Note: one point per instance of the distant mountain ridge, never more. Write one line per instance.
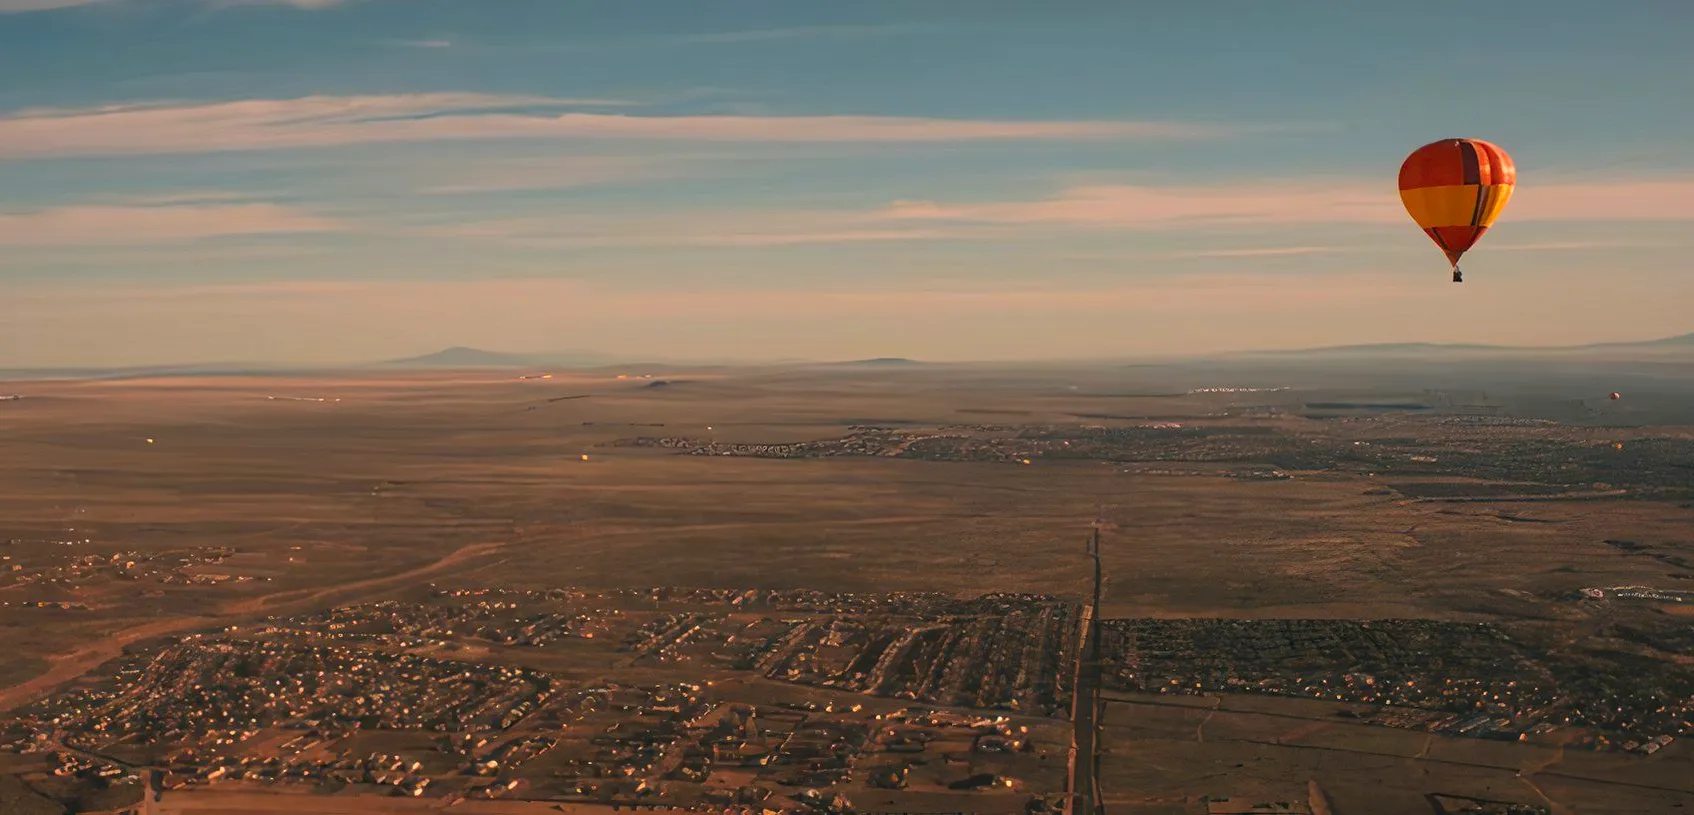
(1676, 342)
(881, 362)
(462, 357)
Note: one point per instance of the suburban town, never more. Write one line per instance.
(775, 699)
(1546, 458)
(373, 695)
(1454, 678)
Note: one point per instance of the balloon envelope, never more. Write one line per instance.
(1454, 189)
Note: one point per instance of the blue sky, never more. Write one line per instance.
(187, 180)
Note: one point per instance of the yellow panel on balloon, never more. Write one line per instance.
(1453, 205)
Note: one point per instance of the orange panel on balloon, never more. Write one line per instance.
(1495, 167)
(1451, 162)
(1433, 165)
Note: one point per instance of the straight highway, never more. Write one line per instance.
(1083, 797)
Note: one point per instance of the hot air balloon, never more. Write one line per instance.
(1454, 189)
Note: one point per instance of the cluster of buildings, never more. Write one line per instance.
(352, 697)
(499, 620)
(178, 566)
(1482, 447)
(211, 690)
(71, 765)
(1639, 593)
(1239, 473)
(1465, 805)
(1457, 678)
(620, 601)
(1409, 663)
(362, 695)
(1143, 441)
(60, 605)
(1018, 660)
(1511, 452)
(192, 767)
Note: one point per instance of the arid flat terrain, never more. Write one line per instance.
(154, 528)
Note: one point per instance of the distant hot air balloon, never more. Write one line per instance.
(1616, 396)
(1454, 189)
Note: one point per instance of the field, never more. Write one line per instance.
(142, 509)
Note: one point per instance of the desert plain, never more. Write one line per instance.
(863, 588)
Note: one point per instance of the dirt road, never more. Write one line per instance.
(72, 664)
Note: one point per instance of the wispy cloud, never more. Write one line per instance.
(1564, 246)
(733, 37)
(1083, 208)
(1087, 208)
(488, 175)
(1254, 252)
(328, 121)
(180, 198)
(1119, 206)
(1666, 200)
(745, 228)
(200, 254)
(806, 32)
(635, 235)
(309, 5)
(807, 238)
(15, 6)
(140, 225)
(1211, 292)
(1359, 202)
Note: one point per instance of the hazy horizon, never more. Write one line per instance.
(189, 181)
(569, 358)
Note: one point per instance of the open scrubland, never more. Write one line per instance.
(838, 587)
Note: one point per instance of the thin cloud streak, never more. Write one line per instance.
(1104, 208)
(791, 33)
(200, 254)
(736, 37)
(806, 238)
(1567, 246)
(1218, 292)
(19, 6)
(332, 121)
(122, 226)
(1254, 252)
(182, 198)
(1128, 206)
(1668, 200)
(745, 228)
(736, 230)
(1118, 206)
(489, 176)
(304, 5)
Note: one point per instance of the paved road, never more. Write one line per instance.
(1086, 704)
